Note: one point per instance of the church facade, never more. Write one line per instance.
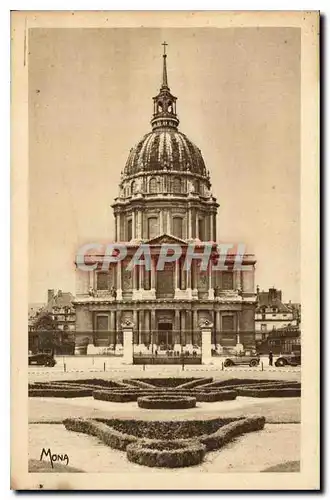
(165, 198)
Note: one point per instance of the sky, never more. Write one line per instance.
(90, 101)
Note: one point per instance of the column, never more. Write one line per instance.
(188, 327)
(210, 287)
(118, 227)
(153, 274)
(141, 276)
(194, 270)
(141, 326)
(196, 222)
(214, 226)
(161, 222)
(238, 278)
(189, 232)
(194, 327)
(112, 336)
(188, 282)
(177, 336)
(168, 228)
(211, 236)
(128, 343)
(139, 225)
(177, 275)
(119, 288)
(135, 278)
(133, 225)
(147, 336)
(135, 327)
(183, 327)
(153, 328)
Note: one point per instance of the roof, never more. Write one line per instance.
(265, 301)
(61, 299)
(166, 150)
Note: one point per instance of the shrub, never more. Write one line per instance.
(116, 397)
(195, 383)
(170, 454)
(167, 429)
(60, 393)
(210, 397)
(167, 382)
(166, 402)
(228, 432)
(270, 393)
(109, 436)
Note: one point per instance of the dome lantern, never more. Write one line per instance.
(164, 103)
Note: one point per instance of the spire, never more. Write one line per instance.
(165, 84)
(164, 103)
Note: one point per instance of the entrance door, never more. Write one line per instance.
(165, 336)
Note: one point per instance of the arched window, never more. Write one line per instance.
(153, 185)
(129, 230)
(197, 186)
(177, 227)
(133, 187)
(176, 185)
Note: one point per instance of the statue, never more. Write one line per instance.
(91, 292)
(113, 292)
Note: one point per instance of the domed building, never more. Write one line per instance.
(165, 198)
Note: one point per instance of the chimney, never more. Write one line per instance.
(50, 295)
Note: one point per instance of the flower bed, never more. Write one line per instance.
(169, 454)
(166, 402)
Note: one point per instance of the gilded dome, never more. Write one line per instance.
(165, 149)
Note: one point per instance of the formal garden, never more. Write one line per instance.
(165, 422)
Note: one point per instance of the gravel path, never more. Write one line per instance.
(276, 410)
(275, 444)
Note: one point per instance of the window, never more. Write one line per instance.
(152, 227)
(227, 280)
(153, 185)
(176, 185)
(102, 281)
(133, 187)
(197, 186)
(129, 230)
(264, 327)
(228, 323)
(201, 229)
(177, 227)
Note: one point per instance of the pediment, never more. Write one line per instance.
(166, 238)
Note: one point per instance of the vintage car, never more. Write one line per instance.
(41, 359)
(293, 359)
(242, 359)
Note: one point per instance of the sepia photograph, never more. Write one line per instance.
(165, 323)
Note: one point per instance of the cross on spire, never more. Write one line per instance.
(164, 45)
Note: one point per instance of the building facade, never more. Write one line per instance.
(165, 198)
(57, 315)
(272, 314)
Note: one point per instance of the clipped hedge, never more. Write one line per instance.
(228, 432)
(111, 437)
(168, 382)
(59, 393)
(270, 393)
(116, 397)
(166, 402)
(167, 429)
(138, 383)
(169, 454)
(211, 397)
(194, 383)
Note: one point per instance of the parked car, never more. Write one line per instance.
(293, 359)
(242, 359)
(41, 359)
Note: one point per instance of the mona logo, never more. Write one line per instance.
(53, 457)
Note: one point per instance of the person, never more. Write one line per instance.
(270, 358)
